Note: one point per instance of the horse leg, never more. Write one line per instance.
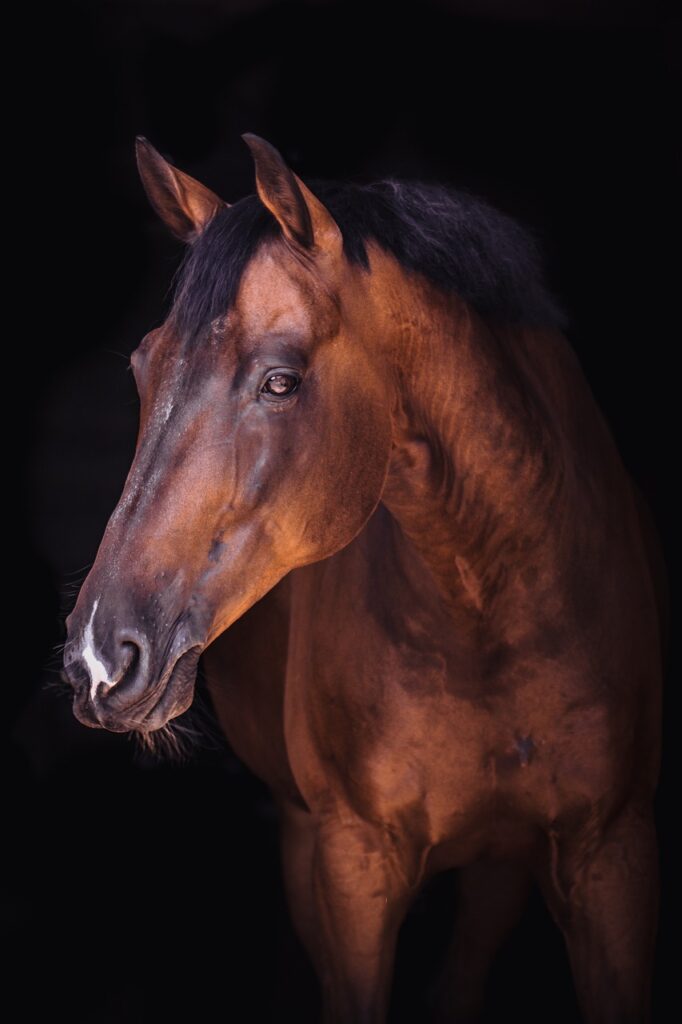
(363, 886)
(602, 891)
(297, 843)
(491, 897)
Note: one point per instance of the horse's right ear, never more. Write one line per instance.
(183, 204)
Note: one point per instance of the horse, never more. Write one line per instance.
(373, 490)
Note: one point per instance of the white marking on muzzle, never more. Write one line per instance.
(96, 668)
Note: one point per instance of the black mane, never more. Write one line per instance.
(454, 239)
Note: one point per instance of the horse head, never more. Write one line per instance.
(263, 445)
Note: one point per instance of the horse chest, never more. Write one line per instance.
(401, 745)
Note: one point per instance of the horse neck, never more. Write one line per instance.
(476, 461)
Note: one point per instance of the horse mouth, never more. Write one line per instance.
(170, 697)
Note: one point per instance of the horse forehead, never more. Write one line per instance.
(272, 299)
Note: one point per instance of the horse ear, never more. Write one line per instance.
(304, 220)
(183, 204)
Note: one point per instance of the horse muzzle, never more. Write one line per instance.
(127, 680)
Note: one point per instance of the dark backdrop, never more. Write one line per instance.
(138, 889)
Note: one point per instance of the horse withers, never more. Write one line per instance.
(373, 489)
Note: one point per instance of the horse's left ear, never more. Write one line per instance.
(304, 220)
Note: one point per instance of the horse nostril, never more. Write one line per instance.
(130, 658)
(74, 671)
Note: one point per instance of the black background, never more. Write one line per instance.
(139, 890)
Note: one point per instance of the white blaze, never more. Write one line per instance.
(96, 668)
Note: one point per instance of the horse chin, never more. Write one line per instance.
(176, 696)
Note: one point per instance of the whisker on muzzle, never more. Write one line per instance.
(179, 740)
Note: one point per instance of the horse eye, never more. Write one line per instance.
(280, 385)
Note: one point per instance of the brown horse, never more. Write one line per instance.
(373, 488)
